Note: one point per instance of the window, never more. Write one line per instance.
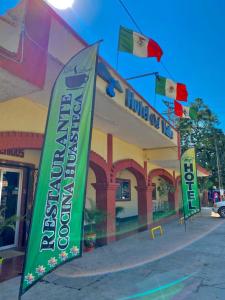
(123, 192)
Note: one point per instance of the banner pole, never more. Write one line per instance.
(185, 225)
(117, 53)
(73, 98)
(142, 75)
(182, 196)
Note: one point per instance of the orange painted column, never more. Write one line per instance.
(176, 200)
(177, 194)
(144, 206)
(105, 201)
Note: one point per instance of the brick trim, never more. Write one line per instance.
(21, 140)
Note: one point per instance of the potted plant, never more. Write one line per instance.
(6, 223)
(92, 217)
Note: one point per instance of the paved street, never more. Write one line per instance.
(179, 265)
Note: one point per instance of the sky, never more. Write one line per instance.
(190, 32)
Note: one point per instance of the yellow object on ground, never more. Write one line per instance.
(181, 220)
(152, 230)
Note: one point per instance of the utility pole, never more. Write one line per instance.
(218, 166)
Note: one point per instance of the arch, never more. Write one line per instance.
(104, 198)
(172, 196)
(21, 140)
(177, 181)
(144, 197)
(133, 167)
(100, 167)
(162, 173)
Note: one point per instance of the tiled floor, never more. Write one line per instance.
(11, 267)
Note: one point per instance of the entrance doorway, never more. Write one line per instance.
(10, 201)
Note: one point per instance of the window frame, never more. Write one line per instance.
(120, 181)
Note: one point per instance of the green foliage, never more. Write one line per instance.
(7, 223)
(165, 187)
(204, 134)
(93, 216)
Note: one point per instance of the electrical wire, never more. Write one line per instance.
(167, 71)
(139, 29)
(130, 15)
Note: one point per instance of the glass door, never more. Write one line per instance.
(10, 198)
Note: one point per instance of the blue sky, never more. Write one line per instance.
(7, 4)
(191, 34)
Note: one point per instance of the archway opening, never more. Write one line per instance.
(126, 206)
(97, 200)
(131, 196)
(163, 194)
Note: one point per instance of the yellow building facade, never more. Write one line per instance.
(134, 160)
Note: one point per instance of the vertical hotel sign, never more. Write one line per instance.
(57, 223)
(191, 202)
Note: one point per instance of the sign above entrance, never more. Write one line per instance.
(113, 84)
(148, 115)
(13, 152)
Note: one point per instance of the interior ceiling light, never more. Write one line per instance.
(61, 4)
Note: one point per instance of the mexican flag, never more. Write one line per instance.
(184, 111)
(138, 44)
(171, 89)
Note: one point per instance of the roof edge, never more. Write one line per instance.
(77, 36)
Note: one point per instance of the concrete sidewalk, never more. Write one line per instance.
(125, 254)
(139, 248)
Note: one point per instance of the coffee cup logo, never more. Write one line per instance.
(77, 80)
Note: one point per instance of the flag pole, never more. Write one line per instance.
(154, 100)
(180, 157)
(117, 53)
(142, 75)
(182, 196)
(117, 60)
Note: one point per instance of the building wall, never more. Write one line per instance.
(124, 150)
(165, 154)
(70, 44)
(99, 142)
(21, 114)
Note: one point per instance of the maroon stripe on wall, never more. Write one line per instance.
(31, 59)
(21, 140)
